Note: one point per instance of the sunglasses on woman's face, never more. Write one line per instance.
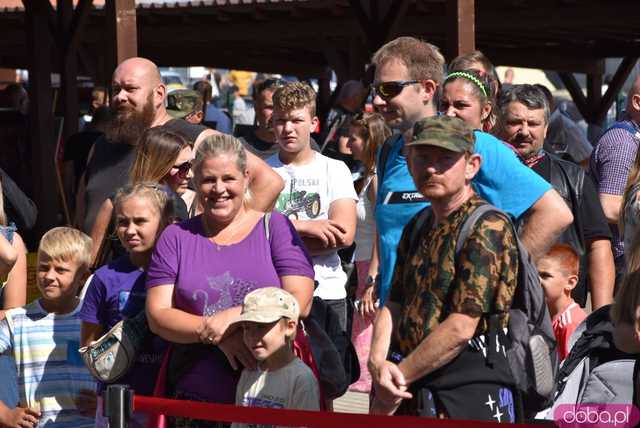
(388, 90)
(183, 168)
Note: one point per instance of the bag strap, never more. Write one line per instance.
(470, 223)
(267, 229)
(385, 151)
(414, 237)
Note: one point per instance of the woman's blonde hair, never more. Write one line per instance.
(156, 152)
(153, 193)
(66, 243)
(375, 133)
(216, 145)
(627, 300)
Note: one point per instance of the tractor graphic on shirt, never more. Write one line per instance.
(300, 201)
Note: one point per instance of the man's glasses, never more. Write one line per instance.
(388, 90)
(183, 168)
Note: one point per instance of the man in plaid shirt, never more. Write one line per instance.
(611, 161)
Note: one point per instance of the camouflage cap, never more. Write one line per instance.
(267, 305)
(450, 133)
(181, 102)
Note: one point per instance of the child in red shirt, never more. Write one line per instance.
(559, 270)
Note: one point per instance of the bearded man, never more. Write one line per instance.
(138, 103)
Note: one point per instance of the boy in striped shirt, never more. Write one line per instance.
(559, 270)
(55, 387)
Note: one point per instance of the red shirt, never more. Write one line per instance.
(564, 324)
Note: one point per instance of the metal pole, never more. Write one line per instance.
(118, 405)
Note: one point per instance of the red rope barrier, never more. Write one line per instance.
(280, 417)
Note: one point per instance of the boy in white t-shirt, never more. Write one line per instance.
(55, 387)
(318, 195)
(269, 319)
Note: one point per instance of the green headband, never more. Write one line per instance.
(470, 77)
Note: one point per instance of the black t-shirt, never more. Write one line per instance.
(264, 149)
(77, 149)
(595, 224)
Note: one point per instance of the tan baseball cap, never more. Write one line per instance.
(268, 304)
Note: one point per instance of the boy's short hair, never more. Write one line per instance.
(295, 95)
(66, 243)
(566, 257)
(423, 60)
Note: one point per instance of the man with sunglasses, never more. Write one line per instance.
(138, 91)
(407, 74)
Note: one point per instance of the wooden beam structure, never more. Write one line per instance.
(69, 70)
(122, 30)
(594, 106)
(461, 19)
(41, 129)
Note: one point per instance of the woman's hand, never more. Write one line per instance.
(236, 351)
(367, 306)
(214, 327)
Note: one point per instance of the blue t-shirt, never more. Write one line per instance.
(502, 180)
(117, 291)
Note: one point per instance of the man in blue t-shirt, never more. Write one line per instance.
(408, 72)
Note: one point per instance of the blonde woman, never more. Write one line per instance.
(201, 270)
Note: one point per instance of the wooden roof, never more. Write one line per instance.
(303, 37)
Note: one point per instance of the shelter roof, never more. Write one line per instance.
(304, 36)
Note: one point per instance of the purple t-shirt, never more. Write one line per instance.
(209, 278)
(116, 292)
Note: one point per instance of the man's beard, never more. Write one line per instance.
(127, 125)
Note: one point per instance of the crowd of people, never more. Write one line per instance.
(439, 234)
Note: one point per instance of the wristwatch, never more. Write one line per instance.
(371, 280)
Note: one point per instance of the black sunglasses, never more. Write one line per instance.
(388, 90)
(183, 168)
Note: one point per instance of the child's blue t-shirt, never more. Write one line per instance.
(503, 181)
(51, 373)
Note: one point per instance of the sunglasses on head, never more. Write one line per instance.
(183, 168)
(388, 90)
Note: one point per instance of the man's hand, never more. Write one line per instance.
(20, 417)
(330, 233)
(236, 351)
(86, 402)
(389, 384)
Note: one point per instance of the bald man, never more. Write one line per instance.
(611, 161)
(138, 103)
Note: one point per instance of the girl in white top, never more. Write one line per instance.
(367, 133)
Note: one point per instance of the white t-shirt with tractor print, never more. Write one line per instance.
(308, 193)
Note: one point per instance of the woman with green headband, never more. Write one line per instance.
(466, 94)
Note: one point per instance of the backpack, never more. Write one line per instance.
(532, 354)
(335, 356)
(592, 372)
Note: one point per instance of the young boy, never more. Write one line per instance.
(559, 270)
(55, 387)
(318, 195)
(269, 319)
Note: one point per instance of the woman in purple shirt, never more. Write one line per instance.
(201, 270)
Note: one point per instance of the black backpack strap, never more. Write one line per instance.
(470, 223)
(385, 150)
(421, 219)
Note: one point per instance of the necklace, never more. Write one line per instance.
(237, 224)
